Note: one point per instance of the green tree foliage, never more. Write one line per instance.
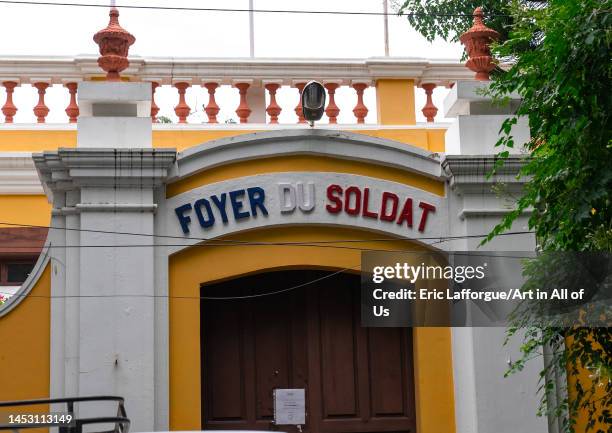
(448, 19)
(559, 63)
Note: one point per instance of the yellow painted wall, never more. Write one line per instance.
(39, 140)
(25, 209)
(433, 366)
(25, 347)
(36, 140)
(193, 266)
(425, 138)
(584, 376)
(395, 102)
(303, 163)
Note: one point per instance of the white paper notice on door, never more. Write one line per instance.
(289, 406)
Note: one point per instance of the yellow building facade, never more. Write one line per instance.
(136, 226)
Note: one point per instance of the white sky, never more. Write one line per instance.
(55, 30)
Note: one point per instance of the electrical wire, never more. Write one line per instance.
(317, 244)
(207, 298)
(260, 243)
(270, 11)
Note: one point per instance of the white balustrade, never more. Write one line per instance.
(264, 89)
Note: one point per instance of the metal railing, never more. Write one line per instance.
(121, 421)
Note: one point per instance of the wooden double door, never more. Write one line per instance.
(356, 379)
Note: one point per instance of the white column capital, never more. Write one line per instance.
(248, 81)
(34, 80)
(295, 82)
(276, 81)
(71, 80)
(187, 80)
(10, 79)
(217, 81)
(434, 82)
(157, 80)
(366, 82)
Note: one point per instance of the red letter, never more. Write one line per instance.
(406, 213)
(334, 199)
(383, 206)
(426, 209)
(366, 199)
(347, 202)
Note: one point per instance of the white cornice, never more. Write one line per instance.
(67, 169)
(322, 142)
(470, 173)
(18, 175)
(63, 69)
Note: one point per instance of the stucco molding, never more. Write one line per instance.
(470, 173)
(162, 69)
(318, 142)
(500, 212)
(68, 169)
(18, 175)
(483, 195)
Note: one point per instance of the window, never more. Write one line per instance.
(14, 273)
(19, 250)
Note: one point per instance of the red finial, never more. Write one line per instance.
(477, 42)
(114, 42)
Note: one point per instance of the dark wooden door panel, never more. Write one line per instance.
(356, 379)
(272, 353)
(338, 353)
(224, 385)
(387, 360)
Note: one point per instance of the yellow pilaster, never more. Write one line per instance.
(395, 102)
(433, 371)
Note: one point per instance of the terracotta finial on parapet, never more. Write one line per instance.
(114, 42)
(477, 41)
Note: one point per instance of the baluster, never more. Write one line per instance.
(182, 110)
(332, 109)
(360, 111)
(429, 110)
(154, 107)
(72, 110)
(41, 110)
(273, 108)
(298, 108)
(243, 111)
(9, 109)
(212, 109)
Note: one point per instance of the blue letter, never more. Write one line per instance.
(205, 223)
(220, 203)
(183, 219)
(237, 204)
(256, 197)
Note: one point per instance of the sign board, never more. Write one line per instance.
(306, 197)
(290, 406)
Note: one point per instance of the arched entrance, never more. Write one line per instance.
(273, 163)
(194, 266)
(356, 379)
